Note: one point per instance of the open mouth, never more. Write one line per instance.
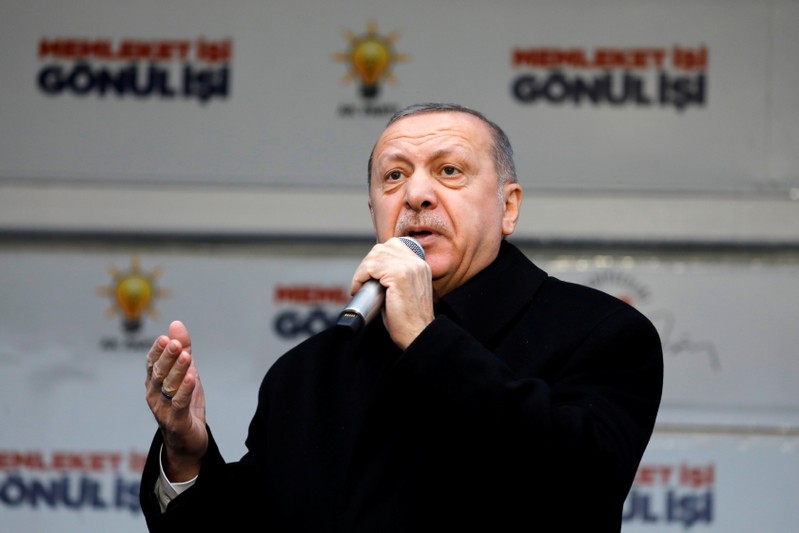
(419, 234)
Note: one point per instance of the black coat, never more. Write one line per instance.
(526, 405)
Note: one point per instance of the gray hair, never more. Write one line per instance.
(501, 151)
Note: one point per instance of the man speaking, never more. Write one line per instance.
(487, 396)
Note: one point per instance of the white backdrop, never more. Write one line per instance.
(75, 424)
(699, 97)
(239, 119)
(246, 117)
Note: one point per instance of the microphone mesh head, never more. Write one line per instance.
(414, 245)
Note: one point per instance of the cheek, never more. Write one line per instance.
(478, 220)
(480, 230)
(442, 262)
(384, 220)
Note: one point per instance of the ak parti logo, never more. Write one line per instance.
(133, 293)
(370, 59)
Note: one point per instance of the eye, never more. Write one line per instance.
(394, 175)
(449, 170)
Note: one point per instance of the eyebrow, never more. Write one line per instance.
(394, 155)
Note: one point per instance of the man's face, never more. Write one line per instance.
(433, 178)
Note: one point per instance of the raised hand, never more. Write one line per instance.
(176, 399)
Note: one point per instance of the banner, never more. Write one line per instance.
(714, 482)
(655, 97)
(76, 323)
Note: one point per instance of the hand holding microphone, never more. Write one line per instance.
(409, 284)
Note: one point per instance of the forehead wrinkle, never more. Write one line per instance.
(399, 143)
(450, 146)
(419, 138)
(456, 149)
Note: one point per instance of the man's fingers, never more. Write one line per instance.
(155, 352)
(382, 259)
(182, 397)
(162, 367)
(171, 383)
(164, 352)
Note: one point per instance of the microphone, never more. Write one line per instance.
(368, 301)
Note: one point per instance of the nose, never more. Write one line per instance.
(420, 192)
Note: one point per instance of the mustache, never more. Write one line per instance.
(409, 219)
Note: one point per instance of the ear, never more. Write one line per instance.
(513, 202)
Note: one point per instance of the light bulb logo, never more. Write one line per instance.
(132, 294)
(370, 58)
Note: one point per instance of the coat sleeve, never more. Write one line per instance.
(221, 490)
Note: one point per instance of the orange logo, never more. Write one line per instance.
(370, 58)
(133, 293)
